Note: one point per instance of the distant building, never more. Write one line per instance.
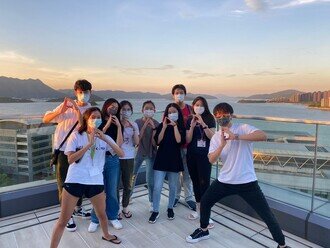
(25, 149)
(325, 101)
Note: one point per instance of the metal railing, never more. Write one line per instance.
(318, 135)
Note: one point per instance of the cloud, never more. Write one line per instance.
(257, 5)
(192, 74)
(141, 70)
(297, 3)
(269, 73)
(12, 56)
(238, 11)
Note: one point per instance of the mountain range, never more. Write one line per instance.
(14, 88)
(279, 94)
(27, 88)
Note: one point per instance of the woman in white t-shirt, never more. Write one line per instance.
(86, 150)
(130, 140)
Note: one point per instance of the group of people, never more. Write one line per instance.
(99, 148)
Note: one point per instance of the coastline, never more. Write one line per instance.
(319, 108)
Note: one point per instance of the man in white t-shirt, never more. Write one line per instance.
(66, 115)
(233, 145)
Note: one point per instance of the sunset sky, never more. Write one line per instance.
(231, 47)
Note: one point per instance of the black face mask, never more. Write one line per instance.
(112, 111)
(224, 121)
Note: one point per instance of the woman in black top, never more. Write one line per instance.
(112, 127)
(200, 129)
(170, 135)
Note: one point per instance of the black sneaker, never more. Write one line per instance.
(153, 218)
(285, 246)
(170, 214)
(198, 235)
(192, 205)
(176, 201)
(71, 226)
(81, 213)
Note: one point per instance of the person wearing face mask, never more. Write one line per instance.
(200, 129)
(68, 117)
(233, 144)
(147, 146)
(112, 127)
(130, 140)
(179, 92)
(170, 135)
(86, 150)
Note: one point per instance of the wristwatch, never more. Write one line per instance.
(236, 137)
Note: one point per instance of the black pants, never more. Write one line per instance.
(199, 169)
(126, 174)
(61, 172)
(251, 193)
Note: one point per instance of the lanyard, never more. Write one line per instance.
(201, 131)
(92, 151)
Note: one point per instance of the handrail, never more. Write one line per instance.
(251, 117)
(279, 119)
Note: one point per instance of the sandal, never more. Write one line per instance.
(211, 224)
(127, 214)
(115, 240)
(119, 217)
(193, 216)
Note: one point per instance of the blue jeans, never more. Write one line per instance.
(111, 181)
(159, 177)
(184, 180)
(149, 172)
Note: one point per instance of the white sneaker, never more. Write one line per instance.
(211, 224)
(93, 227)
(151, 208)
(116, 224)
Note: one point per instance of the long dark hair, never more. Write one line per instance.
(180, 122)
(106, 105)
(148, 102)
(125, 102)
(86, 115)
(206, 116)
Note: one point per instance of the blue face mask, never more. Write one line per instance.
(95, 123)
(224, 121)
(84, 97)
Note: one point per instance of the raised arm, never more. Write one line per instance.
(214, 156)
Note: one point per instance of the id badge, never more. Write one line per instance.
(93, 171)
(201, 143)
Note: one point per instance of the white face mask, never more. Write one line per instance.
(149, 113)
(179, 97)
(199, 110)
(173, 116)
(83, 97)
(126, 114)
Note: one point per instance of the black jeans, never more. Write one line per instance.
(251, 193)
(61, 172)
(199, 169)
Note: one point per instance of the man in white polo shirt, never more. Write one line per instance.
(233, 144)
(66, 115)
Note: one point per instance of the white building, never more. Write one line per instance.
(25, 149)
